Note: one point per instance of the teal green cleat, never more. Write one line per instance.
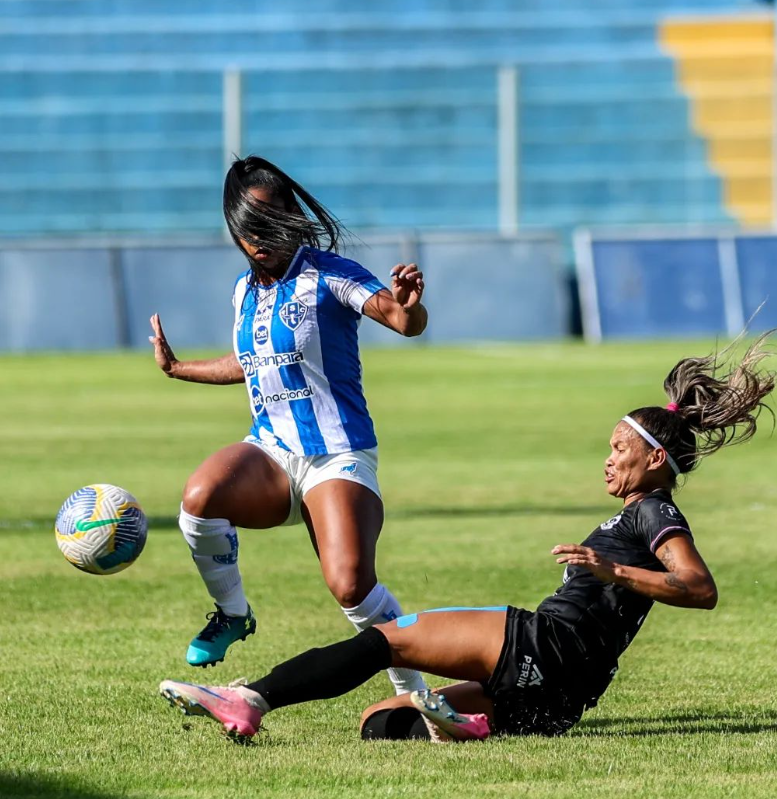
(221, 631)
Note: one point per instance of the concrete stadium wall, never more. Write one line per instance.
(56, 296)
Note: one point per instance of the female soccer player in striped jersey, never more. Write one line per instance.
(312, 453)
(536, 672)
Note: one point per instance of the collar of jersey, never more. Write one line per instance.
(286, 274)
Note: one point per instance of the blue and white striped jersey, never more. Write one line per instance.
(297, 343)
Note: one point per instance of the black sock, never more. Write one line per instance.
(395, 724)
(324, 673)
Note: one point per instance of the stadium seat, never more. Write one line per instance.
(117, 106)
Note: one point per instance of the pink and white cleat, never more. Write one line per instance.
(231, 705)
(452, 725)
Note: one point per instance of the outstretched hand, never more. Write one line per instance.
(163, 354)
(576, 555)
(407, 285)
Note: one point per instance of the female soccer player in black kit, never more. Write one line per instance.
(536, 672)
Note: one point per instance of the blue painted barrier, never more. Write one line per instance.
(64, 297)
(653, 285)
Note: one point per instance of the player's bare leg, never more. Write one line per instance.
(344, 520)
(460, 644)
(238, 485)
(448, 643)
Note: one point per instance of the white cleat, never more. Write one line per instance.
(450, 724)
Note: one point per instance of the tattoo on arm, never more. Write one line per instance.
(667, 558)
(674, 581)
(632, 584)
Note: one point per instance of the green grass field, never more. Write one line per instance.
(489, 456)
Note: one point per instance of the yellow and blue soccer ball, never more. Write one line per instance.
(101, 529)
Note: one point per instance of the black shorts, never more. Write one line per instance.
(525, 688)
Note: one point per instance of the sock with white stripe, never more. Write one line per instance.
(379, 606)
(214, 547)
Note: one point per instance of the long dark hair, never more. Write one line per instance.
(303, 219)
(713, 403)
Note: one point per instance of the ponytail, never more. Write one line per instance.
(712, 404)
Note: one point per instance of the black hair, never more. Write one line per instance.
(302, 220)
(717, 404)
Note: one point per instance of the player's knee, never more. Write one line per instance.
(348, 588)
(203, 497)
(396, 640)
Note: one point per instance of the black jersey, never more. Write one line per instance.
(598, 620)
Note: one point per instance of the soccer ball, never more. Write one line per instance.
(101, 529)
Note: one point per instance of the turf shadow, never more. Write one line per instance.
(690, 723)
(429, 512)
(499, 510)
(37, 786)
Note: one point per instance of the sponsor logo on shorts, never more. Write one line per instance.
(251, 363)
(349, 469)
(610, 523)
(293, 313)
(530, 674)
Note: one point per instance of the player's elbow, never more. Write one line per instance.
(411, 332)
(707, 595)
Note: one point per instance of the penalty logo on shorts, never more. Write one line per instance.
(293, 313)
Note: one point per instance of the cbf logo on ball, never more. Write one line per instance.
(293, 313)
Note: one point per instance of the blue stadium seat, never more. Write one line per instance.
(604, 134)
(98, 8)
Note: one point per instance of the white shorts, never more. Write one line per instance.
(308, 471)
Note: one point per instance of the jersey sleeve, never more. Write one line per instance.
(239, 290)
(350, 283)
(657, 519)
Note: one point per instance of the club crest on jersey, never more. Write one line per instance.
(669, 511)
(610, 523)
(293, 313)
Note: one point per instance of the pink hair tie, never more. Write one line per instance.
(672, 407)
